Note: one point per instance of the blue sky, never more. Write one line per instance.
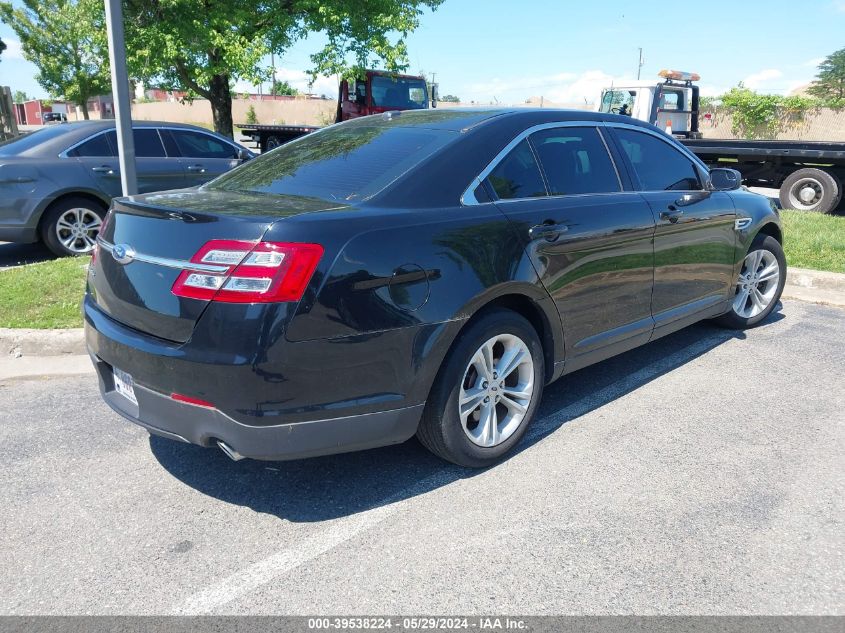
(504, 51)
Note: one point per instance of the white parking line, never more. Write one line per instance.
(339, 531)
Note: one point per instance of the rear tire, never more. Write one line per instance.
(272, 143)
(810, 190)
(759, 285)
(474, 415)
(70, 226)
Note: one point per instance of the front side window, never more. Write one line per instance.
(400, 93)
(517, 175)
(618, 101)
(199, 145)
(575, 161)
(658, 165)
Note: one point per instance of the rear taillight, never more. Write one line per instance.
(249, 272)
(95, 252)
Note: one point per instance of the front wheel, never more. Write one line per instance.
(486, 393)
(759, 285)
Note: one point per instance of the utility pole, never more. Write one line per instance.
(273, 70)
(120, 93)
(640, 64)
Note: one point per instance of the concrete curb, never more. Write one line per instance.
(815, 286)
(20, 342)
(802, 284)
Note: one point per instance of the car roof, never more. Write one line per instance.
(462, 119)
(64, 135)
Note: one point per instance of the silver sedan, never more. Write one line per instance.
(56, 184)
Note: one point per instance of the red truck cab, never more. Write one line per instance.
(379, 92)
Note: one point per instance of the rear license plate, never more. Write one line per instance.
(124, 385)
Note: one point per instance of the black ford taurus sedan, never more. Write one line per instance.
(415, 273)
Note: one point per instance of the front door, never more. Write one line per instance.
(590, 241)
(204, 156)
(695, 237)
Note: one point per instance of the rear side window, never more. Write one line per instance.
(658, 165)
(199, 145)
(99, 145)
(341, 162)
(575, 160)
(518, 175)
(148, 144)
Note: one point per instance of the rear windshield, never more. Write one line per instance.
(31, 140)
(344, 162)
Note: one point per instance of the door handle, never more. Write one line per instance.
(197, 168)
(105, 169)
(548, 230)
(672, 215)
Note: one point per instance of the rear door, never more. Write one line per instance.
(203, 156)
(589, 239)
(156, 170)
(695, 237)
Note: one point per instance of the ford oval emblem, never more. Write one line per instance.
(123, 253)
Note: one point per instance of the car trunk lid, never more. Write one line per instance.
(149, 240)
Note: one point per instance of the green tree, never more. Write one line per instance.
(450, 99)
(251, 117)
(66, 40)
(283, 88)
(204, 46)
(20, 96)
(2, 47)
(830, 82)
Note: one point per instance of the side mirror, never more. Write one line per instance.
(244, 154)
(724, 179)
(434, 96)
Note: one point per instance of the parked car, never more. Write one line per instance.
(54, 117)
(424, 273)
(56, 183)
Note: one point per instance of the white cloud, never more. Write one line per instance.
(13, 49)
(757, 80)
(560, 88)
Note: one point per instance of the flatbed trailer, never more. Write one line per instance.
(809, 174)
(267, 137)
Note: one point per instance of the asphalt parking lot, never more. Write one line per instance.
(702, 473)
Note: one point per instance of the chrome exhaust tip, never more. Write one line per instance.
(230, 452)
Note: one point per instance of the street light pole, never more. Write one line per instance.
(640, 64)
(120, 93)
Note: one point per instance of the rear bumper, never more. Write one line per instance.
(262, 411)
(161, 415)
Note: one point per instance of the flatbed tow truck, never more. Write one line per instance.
(809, 174)
(377, 91)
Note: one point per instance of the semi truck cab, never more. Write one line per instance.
(668, 104)
(382, 92)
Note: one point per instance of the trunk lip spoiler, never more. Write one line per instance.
(167, 262)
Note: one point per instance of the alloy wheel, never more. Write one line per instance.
(496, 390)
(77, 229)
(757, 284)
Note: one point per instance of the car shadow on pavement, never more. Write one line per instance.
(325, 488)
(19, 254)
